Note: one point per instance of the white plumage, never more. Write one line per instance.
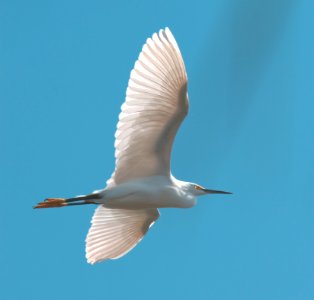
(155, 105)
(115, 232)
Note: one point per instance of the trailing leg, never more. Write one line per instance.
(61, 202)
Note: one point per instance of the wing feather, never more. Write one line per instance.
(155, 105)
(114, 232)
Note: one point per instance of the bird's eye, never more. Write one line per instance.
(197, 187)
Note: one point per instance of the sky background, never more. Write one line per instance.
(64, 67)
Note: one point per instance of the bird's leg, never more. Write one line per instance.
(60, 202)
(86, 197)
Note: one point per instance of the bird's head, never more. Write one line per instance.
(198, 190)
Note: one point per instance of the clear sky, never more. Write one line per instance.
(64, 67)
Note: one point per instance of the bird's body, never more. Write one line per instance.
(156, 103)
(150, 192)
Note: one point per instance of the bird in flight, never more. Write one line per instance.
(156, 103)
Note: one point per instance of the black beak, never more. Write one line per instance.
(216, 192)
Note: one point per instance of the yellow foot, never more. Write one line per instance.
(51, 202)
(54, 200)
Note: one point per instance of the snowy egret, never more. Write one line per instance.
(156, 103)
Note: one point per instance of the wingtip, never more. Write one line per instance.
(168, 31)
(164, 32)
(90, 262)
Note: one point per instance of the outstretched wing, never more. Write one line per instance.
(115, 232)
(155, 105)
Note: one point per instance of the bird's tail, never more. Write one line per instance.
(61, 202)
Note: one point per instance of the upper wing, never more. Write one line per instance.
(155, 105)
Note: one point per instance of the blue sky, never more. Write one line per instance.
(64, 67)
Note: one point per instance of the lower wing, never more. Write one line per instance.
(115, 232)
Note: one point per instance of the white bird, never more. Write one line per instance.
(155, 105)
